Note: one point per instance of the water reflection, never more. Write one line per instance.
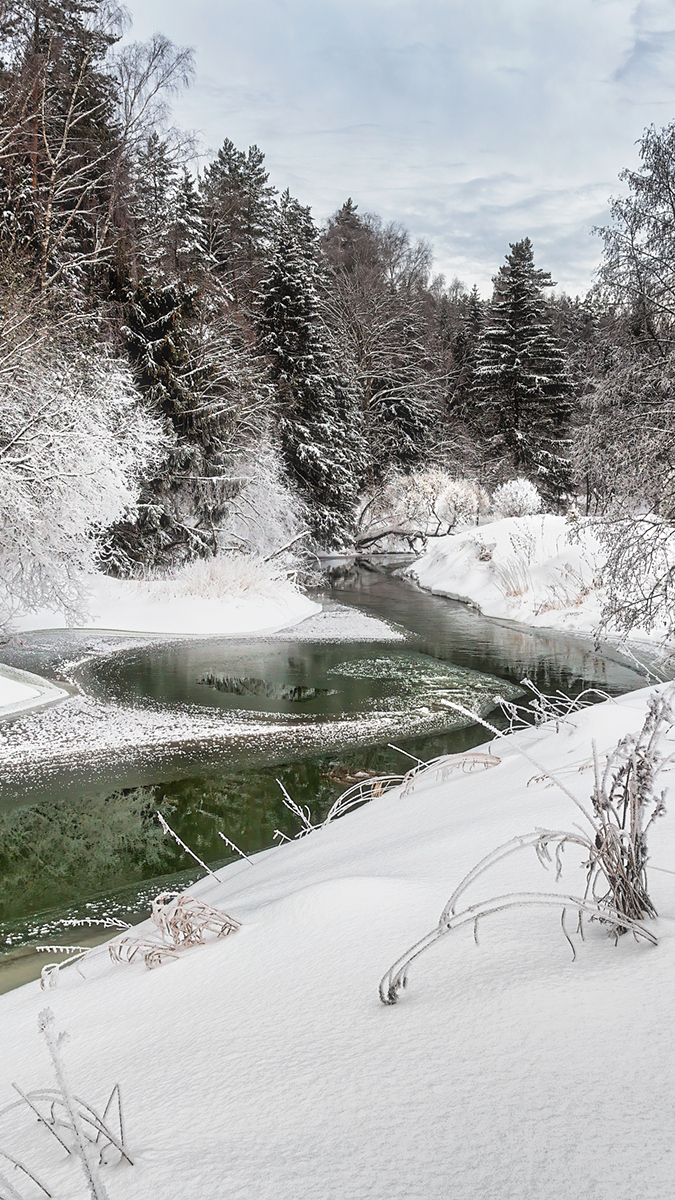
(83, 850)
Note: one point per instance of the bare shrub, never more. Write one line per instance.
(423, 504)
(625, 804)
(182, 921)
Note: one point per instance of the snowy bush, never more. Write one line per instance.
(424, 504)
(213, 578)
(624, 804)
(266, 513)
(516, 498)
(74, 442)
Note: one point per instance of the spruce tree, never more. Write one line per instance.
(318, 421)
(522, 381)
(239, 216)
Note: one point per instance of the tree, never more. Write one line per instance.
(202, 381)
(239, 208)
(373, 301)
(58, 136)
(75, 440)
(521, 377)
(638, 270)
(318, 421)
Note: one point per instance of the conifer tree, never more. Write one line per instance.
(198, 382)
(239, 212)
(522, 381)
(154, 185)
(318, 422)
(187, 233)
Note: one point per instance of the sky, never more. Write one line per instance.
(474, 123)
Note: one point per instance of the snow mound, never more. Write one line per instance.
(540, 570)
(191, 604)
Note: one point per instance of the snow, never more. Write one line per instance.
(264, 1065)
(21, 691)
(149, 607)
(539, 570)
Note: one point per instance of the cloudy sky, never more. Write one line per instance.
(473, 122)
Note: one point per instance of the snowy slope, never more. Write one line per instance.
(538, 570)
(148, 607)
(264, 1065)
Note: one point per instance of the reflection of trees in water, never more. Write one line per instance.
(58, 852)
(71, 848)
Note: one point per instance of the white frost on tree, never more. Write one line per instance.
(516, 498)
(420, 505)
(74, 441)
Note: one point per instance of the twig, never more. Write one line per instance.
(167, 829)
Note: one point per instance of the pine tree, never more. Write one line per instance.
(318, 422)
(196, 382)
(187, 233)
(239, 210)
(522, 381)
(154, 186)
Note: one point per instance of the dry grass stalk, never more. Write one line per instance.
(51, 1110)
(8, 1188)
(542, 708)
(182, 921)
(371, 787)
(82, 1143)
(167, 829)
(625, 803)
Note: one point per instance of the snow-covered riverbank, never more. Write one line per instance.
(542, 571)
(159, 606)
(156, 607)
(264, 1065)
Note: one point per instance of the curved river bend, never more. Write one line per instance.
(82, 839)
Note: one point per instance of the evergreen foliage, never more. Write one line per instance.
(522, 380)
(239, 208)
(203, 389)
(317, 414)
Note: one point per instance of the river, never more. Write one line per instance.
(80, 837)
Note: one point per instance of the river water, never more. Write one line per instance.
(82, 838)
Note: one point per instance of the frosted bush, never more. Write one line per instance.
(517, 498)
(75, 440)
(423, 504)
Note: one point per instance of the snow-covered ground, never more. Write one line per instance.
(263, 1065)
(21, 691)
(540, 570)
(151, 606)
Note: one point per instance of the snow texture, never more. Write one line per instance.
(264, 1065)
(539, 570)
(146, 607)
(21, 691)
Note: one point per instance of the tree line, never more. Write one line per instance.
(233, 373)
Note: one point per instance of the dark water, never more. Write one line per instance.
(71, 848)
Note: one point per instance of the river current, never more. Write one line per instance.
(81, 837)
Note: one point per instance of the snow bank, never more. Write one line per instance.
(539, 570)
(263, 1065)
(21, 691)
(154, 606)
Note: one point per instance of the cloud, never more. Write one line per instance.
(475, 122)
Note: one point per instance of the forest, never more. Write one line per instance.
(191, 367)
